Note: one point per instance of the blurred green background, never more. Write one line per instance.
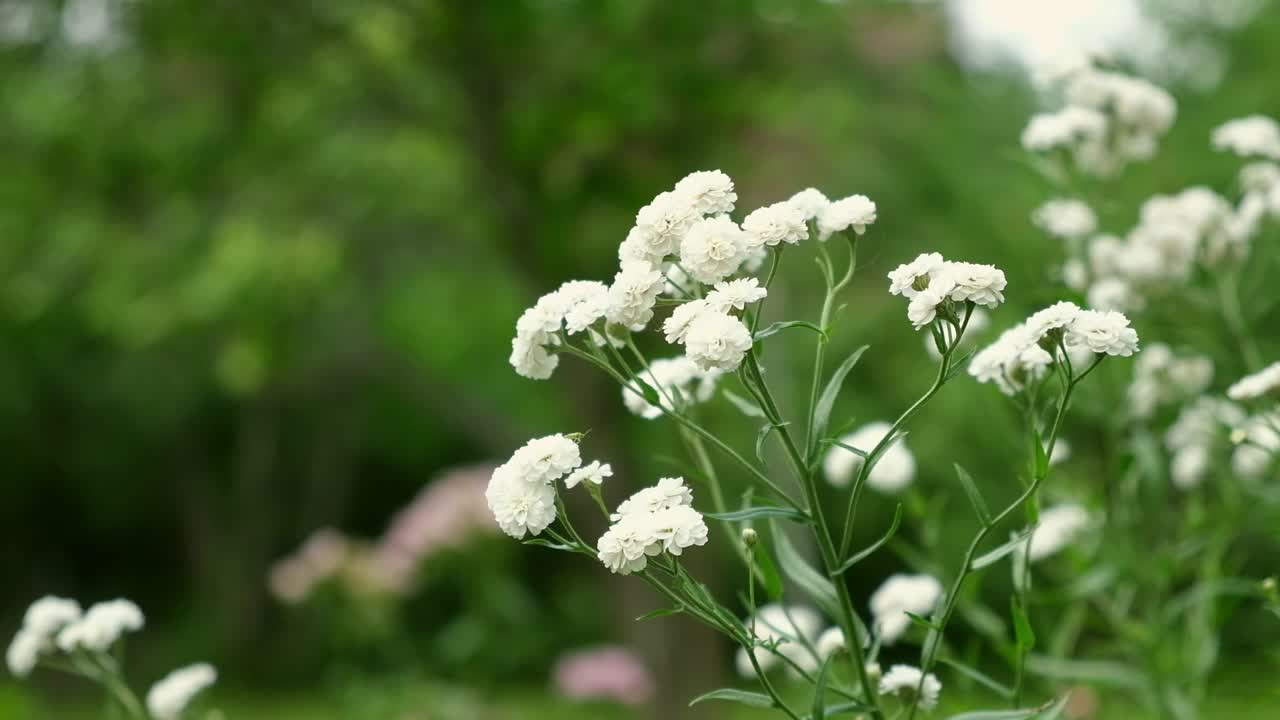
(260, 264)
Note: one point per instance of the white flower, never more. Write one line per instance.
(1057, 316)
(1103, 331)
(892, 473)
(717, 341)
(830, 642)
(975, 283)
(676, 379)
(632, 295)
(710, 191)
(811, 203)
(1190, 465)
(1063, 129)
(676, 326)
(24, 652)
(531, 359)
(678, 527)
(910, 278)
(713, 249)
(904, 681)
(1259, 177)
(899, 595)
(49, 614)
(1257, 385)
(1075, 274)
(626, 546)
(519, 506)
(169, 697)
(855, 211)
(771, 225)
(735, 294)
(545, 459)
(1200, 422)
(1250, 136)
(587, 301)
(1065, 218)
(1255, 454)
(593, 472)
(660, 225)
(1114, 294)
(793, 628)
(1012, 361)
(924, 305)
(101, 626)
(1058, 527)
(669, 492)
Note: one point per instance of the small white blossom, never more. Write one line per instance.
(669, 492)
(676, 379)
(904, 681)
(1057, 316)
(661, 225)
(169, 697)
(975, 283)
(49, 614)
(677, 528)
(811, 203)
(531, 359)
(1064, 129)
(101, 626)
(632, 295)
(717, 341)
(1190, 465)
(855, 212)
(1255, 454)
(830, 642)
(654, 520)
(1250, 136)
(735, 294)
(899, 595)
(586, 301)
(1058, 527)
(1075, 274)
(24, 652)
(924, 305)
(910, 278)
(792, 627)
(1257, 385)
(710, 191)
(520, 507)
(676, 326)
(626, 546)
(1065, 218)
(893, 472)
(545, 459)
(593, 472)
(713, 249)
(1104, 332)
(774, 224)
(1114, 294)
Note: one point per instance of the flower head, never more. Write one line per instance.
(632, 295)
(1103, 331)
(168, 698)
(1065, 218)
(713, 249)
(791, 628)
(855, 212)
(892, 473)
(652, 521)
(669, 492)
(1058, 527)
(910, 278)
(735, 294)
(810, 202)
(661, 224)
(774, 224)
(975, 283)
(594, 473)
(1257, 385)
(101, 626)
(904, 681)
(520, 507)
(613, 673)
(899, 595)
(710, 192)
(1250, 136)
(717, 341)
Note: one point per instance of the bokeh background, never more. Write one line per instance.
(260, 264)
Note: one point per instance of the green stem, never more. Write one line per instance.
(1229, 298)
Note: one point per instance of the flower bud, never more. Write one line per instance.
(750, 537)
(874, 673)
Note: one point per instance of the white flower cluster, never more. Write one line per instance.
(1261, 184)
(1192, 438)
(679, 382)
(933, 285)
(1107, 120)
(1261, 384)
(654, 520)
(903, 681)
(899, 595)
(1256, 136)
(574, 307)
(892, 473)
(714, 339)
(101, 626)
(1065, 218)
(791, 629)
(44, 620)
(1023, 353)
(169, 697)
(1058, 527)
(1160, 378)
(1258, 446)
(521, 492)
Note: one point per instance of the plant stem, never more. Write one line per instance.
(1229, 296)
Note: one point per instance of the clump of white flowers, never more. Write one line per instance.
(1161, 377)
(936, 286)
(1251, 136)
(789, 632)
(1065, 218)
(521, 492)
(679, 382)
(899, 595)
(904, 681)
(894, 469)
(168, 698)
(1059, 526)
(855, 213)
(85, 644)
(653, 521)
(1256, 386)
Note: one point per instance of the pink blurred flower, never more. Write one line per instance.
(293, 577)
(610, 672)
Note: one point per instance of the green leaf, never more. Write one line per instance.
(650, 393)
(959, 364)
(1102, 672)
(827, 401)
(745, 406)
(548, 543)
(866, 552)
(1048, 711)
(979, 677)
(778, 327)
(820, 691)
(922, 621)
(1022, 632)
(734, 695)
(1042, 458)
(763, 433)
(761, 511)
(975, 496)
(768, 572)
(860, 453)
(662, 612)
(802, 574)
(996, 555)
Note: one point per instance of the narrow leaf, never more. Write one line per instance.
(866, 552)
(1102, 672)
(663, 612)
(650, 393)
(1048, 711)
(979, 677)
(768, 573)
(778, 327)
(975, 496)
(548, 543)
(761, 512)
(733, 695)
(820, 691)
(996, 555)
(1022, 632)
(802, 573)
(827, 401)
(1042, 458)
(922, 621)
